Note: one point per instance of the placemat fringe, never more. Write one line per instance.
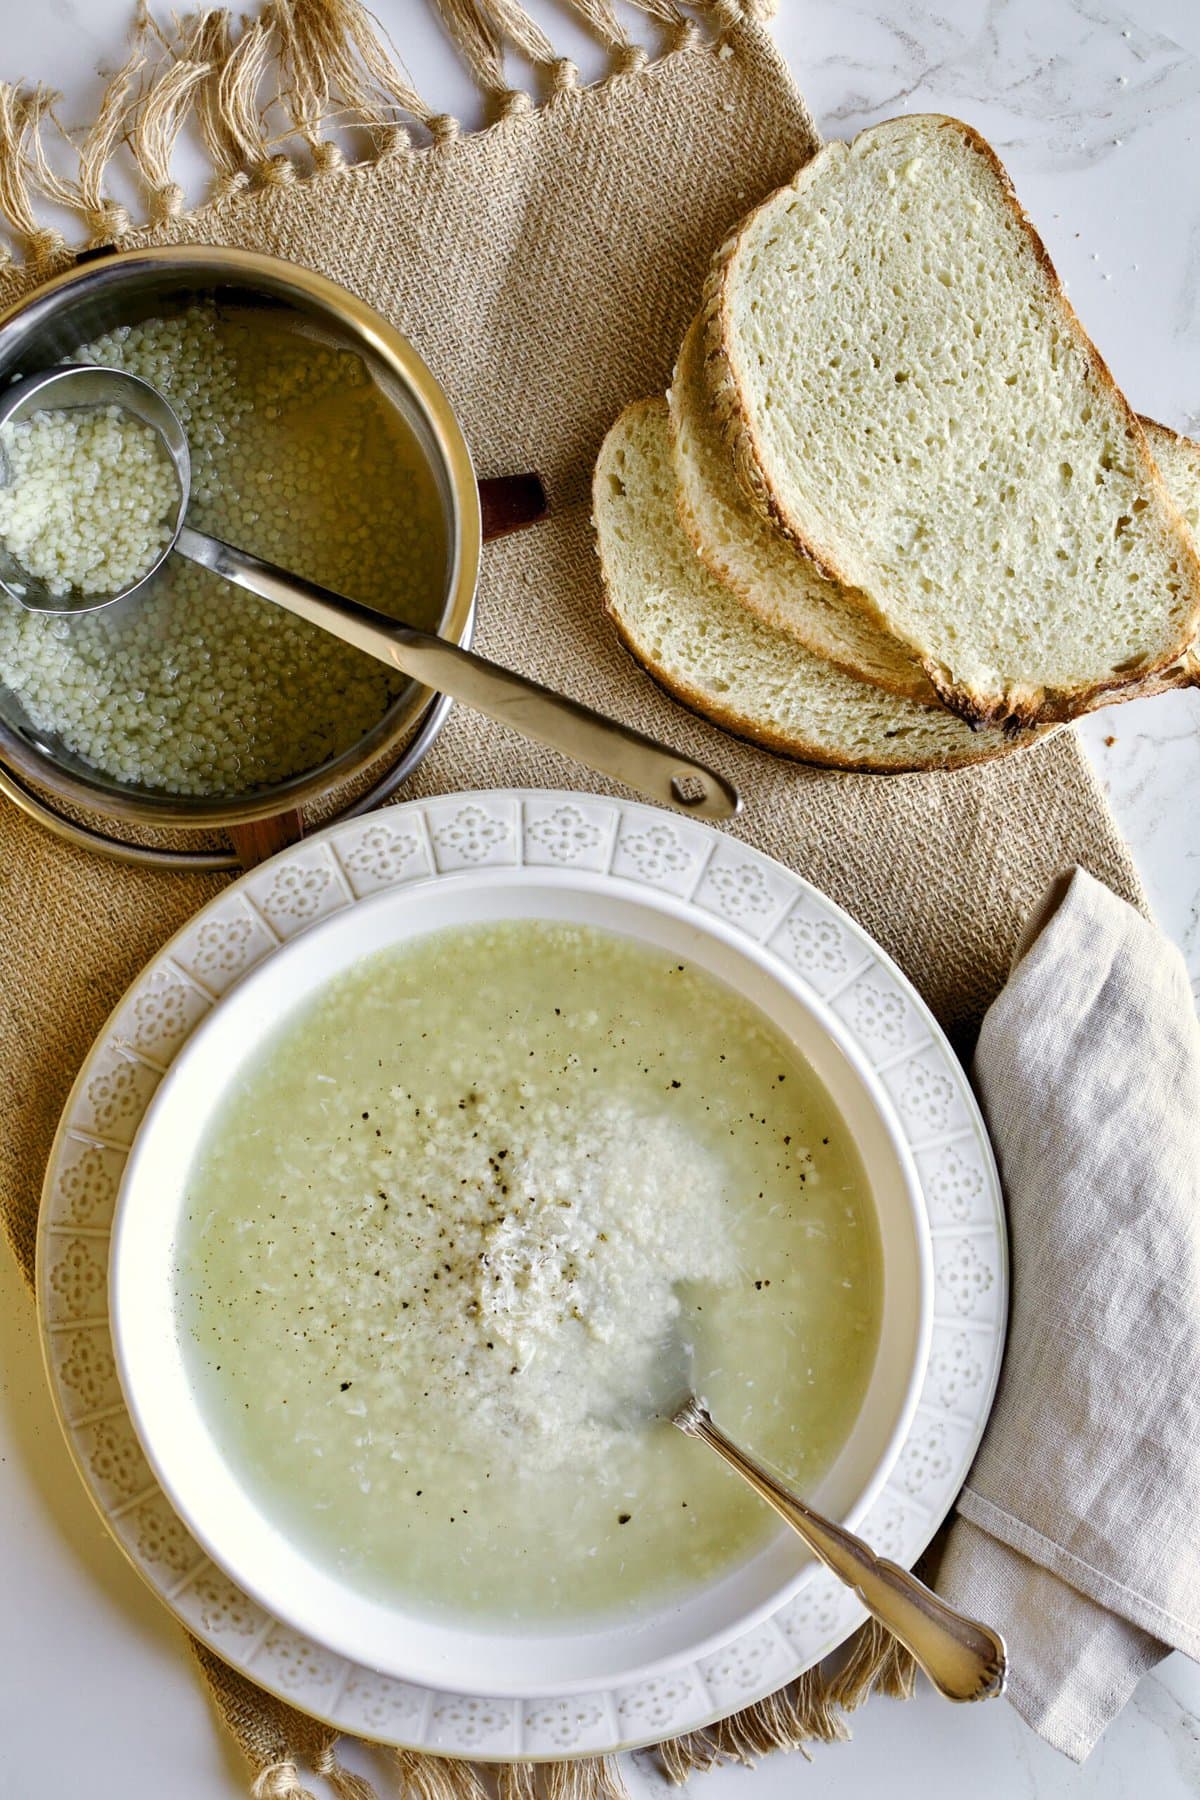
(336, 66)
(236, 103)
(483, 29)
(792, 1719)
(812, 1710)
(207, 38)
(594, 1778)
(325, 65)
(154, 129)
(279, 1781)
(425, 1777)
(343, 1782)
(104, 219)
(21, 112)
(876, 1663)
(516, 1781)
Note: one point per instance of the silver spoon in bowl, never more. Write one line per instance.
(963, 1658)
(536, 712)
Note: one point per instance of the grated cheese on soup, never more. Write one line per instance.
(542, 1263)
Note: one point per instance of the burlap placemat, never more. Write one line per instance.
(546, 268)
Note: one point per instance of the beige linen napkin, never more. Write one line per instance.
(1078, 1532)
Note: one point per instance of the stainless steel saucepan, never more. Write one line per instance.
(141, 824)
(536, 712)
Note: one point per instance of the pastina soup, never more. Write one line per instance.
(435, 1240)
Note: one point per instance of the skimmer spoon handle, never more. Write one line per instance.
(536, 712)
(964, 1659)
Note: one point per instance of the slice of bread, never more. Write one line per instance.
(908, 394)
(762, 567)
(781, 586)
(1178, 460)
(699, 641)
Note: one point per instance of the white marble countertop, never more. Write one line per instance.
(1095, 107)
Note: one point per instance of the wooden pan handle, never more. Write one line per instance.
(509, 503)
(254, 842)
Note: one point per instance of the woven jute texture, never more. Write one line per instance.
(546, 269)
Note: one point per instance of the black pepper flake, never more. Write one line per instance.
(344, 1385)
(624, 1518)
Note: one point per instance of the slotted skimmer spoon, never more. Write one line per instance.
(964, 1659)
(537, 712)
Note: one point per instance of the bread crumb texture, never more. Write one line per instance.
(701, 643)
(774, 579)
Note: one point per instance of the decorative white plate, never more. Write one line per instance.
(429, 841)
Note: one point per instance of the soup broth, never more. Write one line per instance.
(438, 1238)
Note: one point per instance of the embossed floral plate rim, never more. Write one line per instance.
(428, 840)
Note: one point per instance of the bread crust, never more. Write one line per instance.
(741, 726)
(1015, 705)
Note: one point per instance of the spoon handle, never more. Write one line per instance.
(964, 1659)
(536, 712)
